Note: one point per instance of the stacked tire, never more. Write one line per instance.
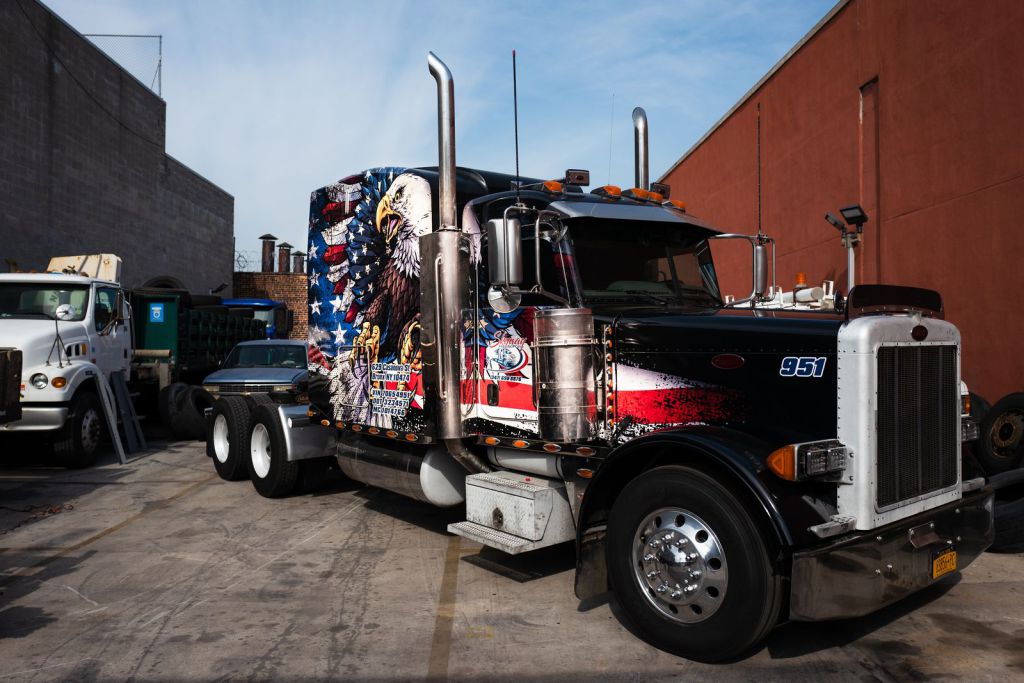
(999, 451)
(183, 408)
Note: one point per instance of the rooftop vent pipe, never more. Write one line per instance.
(445, 141)
(640, 148)
(284, 257)
(267, 265)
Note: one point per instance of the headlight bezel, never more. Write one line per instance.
(38, 383)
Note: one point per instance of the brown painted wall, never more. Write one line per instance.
(291, 288)
(913, 109)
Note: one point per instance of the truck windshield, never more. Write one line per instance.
(40, 300)
(266, 356)
(643, 263)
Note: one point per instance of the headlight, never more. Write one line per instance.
(39, 380)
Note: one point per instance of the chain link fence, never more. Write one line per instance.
(139, 55)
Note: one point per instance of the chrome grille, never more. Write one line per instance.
(247, 388)
(918, 413)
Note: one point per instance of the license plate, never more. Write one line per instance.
(943, 563)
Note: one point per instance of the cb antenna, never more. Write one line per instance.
(515, 118)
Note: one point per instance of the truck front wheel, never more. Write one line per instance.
(271, 474)
(689, 567)
(78, 441)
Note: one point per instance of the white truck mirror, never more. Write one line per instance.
(65, 312)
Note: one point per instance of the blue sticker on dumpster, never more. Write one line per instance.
(156, 313)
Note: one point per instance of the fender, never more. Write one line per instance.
(777, 506)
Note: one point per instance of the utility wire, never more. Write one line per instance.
(103, 108)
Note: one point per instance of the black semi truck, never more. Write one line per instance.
(564, 364)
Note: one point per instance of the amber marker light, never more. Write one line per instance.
(492, 441)
(373, 430)
(585, 450)
(801, 279)
(552, 186)
(519, 443)
(656, 197)
(678, 203)
(325, 423)
(357, 428)
(411, 437)
(782, 463)
(310, 413)
(552, 447)
(390, 434)
(585, 473)
(58, 382)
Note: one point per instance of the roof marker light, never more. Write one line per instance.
(552, 186)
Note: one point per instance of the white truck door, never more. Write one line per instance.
(111, 341)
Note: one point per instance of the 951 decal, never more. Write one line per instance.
(802, 366)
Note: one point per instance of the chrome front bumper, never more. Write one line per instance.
(863, 572)
(38, 419)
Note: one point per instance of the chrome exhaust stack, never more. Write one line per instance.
(444, 288)
(642, 171)
(445, 142)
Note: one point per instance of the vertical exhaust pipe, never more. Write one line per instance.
(443, 286)
(641, 174)
(445, 142)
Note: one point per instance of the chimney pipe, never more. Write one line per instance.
(640, 148)
(298, 262)
(284, 252)
(445, 142)
(268, 253)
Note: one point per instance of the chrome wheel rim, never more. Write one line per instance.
(90, 435)
(260, 450)
(221, 441)
(679, 565)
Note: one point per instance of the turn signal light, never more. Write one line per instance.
(58, 382)
(782, 463)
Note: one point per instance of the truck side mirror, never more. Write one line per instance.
(119, 308)
(760, 269)
(505, 251)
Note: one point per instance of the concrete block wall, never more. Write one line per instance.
(83, 167)
(291, 288)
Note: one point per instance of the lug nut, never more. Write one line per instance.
(662, 588)
(676, 595)
(648, 557)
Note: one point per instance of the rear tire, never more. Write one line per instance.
(227, 438)
(1000, 445)
(78, 441)
(689, 566)
(1009, 526)
(269, 470)
(166, 401)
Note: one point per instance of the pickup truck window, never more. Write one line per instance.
(266, 356)
(40, 300)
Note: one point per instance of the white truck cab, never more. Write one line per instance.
(71, 326)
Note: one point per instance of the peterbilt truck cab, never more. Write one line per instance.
(563, 364)
(61, 331)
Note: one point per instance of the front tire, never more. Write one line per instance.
(689, 567)
(78, 441)
(269, 470)
(227, 437)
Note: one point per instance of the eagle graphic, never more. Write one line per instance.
(403, 215)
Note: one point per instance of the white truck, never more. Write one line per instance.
(59, 332)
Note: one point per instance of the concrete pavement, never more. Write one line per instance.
(160, 570)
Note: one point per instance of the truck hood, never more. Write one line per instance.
(656, 329)
(35, 338)
(256, 376)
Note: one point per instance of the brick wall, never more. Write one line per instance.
(83, 167)
(291, 288)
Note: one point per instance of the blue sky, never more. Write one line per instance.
(271, 100)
